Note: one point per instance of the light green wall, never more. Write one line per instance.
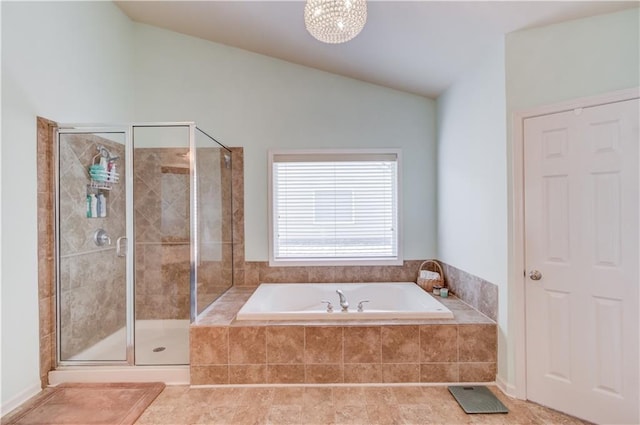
(260, 103)
(472, 186)
(573, 59)
(472, 177)
(552, 64)
(67, 61)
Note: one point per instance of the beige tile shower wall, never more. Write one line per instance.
(162, 281)
(225, 279)
(237, 208)
(162, 232)
(162, 222)
(92, 291)
(215, 231)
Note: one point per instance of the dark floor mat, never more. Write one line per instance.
(477, 399)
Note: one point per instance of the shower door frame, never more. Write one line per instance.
(127, 130)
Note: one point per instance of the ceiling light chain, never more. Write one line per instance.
(335, 21)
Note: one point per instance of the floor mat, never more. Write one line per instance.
(477, 399)
(86, 403)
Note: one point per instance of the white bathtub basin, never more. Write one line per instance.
(302, 301)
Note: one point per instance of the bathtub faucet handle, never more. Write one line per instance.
(360, 306)
(343, 300)
(329, 306)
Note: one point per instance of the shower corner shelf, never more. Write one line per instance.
(94, 184)
(102, 171)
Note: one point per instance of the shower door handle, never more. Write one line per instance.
(119, 251)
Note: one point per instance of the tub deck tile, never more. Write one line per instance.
(223, 311)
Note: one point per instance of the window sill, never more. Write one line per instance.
(334, 263)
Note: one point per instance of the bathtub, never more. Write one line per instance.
(302, 301)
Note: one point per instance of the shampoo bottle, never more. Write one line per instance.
(94, 205)
(103, 169)
(113, 175)
(98, 206)
(102, 203)
(88, 206)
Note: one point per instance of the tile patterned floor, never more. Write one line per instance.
(333, 405)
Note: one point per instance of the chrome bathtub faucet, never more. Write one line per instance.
(343, 300)
(329, 306)
(361, 306)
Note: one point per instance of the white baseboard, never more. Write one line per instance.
(20, 398)
(506, 388)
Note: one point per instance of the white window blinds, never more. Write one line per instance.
(334, 206)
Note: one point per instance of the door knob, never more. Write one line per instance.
(535, 275)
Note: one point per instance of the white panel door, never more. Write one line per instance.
(582, 261)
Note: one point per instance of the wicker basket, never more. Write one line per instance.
(428, 284)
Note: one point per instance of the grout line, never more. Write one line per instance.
(342, 346)
(304, 353)
(342, 357)
(458, 350)
(380, 347)
(228, 355)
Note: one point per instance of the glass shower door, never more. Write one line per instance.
(162, 210)
(91, 246)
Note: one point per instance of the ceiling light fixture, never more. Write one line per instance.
(335, 21)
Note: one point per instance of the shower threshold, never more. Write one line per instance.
(170, 375)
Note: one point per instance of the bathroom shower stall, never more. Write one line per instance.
(143, 240)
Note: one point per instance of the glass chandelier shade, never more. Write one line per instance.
(335, 21)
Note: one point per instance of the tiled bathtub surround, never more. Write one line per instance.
(477, 292)
(257, 272)
(224, 351)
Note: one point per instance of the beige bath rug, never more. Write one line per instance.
(85, 404)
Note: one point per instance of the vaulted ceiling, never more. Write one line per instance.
(417, 46)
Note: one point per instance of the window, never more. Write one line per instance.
(334, 207)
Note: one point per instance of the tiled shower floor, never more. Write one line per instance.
(300, 405)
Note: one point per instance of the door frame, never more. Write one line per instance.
(129, 288)
(516, 252)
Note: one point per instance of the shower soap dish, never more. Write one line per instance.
(429, 275)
